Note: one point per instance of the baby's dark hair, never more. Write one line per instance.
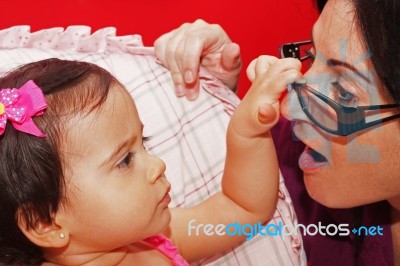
(32, 168)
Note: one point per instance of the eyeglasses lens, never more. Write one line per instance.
(319, 110)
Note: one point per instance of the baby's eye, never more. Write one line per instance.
(144, 142)
(127, 161)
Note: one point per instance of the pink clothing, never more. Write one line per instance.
(165, 246)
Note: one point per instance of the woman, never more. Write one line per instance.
(351, 166)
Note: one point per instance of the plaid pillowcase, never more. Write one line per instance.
(188, 136)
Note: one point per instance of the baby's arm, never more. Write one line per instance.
(251, 177)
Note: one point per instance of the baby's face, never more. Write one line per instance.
(117, 191)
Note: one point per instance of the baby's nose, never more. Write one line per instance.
(156, 168)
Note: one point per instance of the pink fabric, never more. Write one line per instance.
(165, 246)
(19, 106)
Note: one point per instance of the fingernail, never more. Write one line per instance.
(191, 94)
(189, 76)
(179, 90)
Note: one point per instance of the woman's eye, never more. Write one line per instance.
(127, 161)
(344, 97)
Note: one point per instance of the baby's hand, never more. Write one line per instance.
(259, 110)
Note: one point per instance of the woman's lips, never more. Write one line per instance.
(311, 160)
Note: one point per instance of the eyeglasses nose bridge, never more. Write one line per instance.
(293, 108)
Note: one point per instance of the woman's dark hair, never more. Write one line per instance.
(31, 169)
(379, 23)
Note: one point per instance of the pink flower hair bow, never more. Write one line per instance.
(19, 106)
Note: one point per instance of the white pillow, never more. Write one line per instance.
(188, 136)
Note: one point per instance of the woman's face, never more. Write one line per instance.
(360, 168)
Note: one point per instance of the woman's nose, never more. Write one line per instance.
(291, 108)
(156, 168)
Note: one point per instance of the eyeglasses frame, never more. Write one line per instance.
(350, 119)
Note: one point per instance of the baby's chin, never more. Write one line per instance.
(165, 221)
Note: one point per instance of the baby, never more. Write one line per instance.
(79, 188)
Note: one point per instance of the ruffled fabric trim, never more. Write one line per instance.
(105, 40)
(73, 38)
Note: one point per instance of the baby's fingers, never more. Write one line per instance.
(260, 66)
(278, 76)
(267, 115)
(284, 72)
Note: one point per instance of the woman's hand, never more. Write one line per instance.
(184, 49)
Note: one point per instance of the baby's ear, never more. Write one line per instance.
(43, 234)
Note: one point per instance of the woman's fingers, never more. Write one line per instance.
(183, 50)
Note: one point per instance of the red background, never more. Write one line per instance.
(258, 26)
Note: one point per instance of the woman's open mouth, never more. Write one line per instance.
(311, 160)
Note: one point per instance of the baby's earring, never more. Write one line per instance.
(62, 235)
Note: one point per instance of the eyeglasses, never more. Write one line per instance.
(338, 113)
(299, 50)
